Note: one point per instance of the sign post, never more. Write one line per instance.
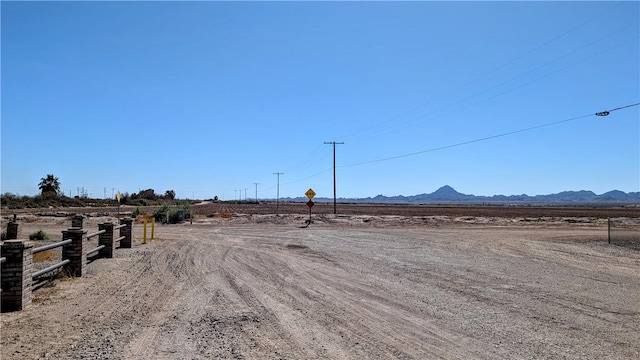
(310, 194)
(118, 197)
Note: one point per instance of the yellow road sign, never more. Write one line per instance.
(310, 194)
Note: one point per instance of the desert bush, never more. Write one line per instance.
(139, 202)
(39, 235)
(188, 211)
(136, 212)
(162, 213)
(169, 214)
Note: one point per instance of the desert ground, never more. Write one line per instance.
(372, 282)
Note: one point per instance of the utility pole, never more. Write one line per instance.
(105, 193)
(256, 184)
(112, 189)
(334, 143)
(235, 194)
(278, 191)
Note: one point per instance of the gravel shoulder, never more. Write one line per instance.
(376, 287)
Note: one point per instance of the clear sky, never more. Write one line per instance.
(206, 98)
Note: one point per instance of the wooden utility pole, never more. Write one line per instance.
(256, 184)
(334, 143)
(278, 191)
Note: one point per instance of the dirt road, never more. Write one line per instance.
(278, 291)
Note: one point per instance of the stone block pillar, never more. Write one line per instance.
(127, 232)
(76, 222)
(76, 252)
(106, 239)
(16, 275)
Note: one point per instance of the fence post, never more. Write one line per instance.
(106, 239)
(76, 252)
(76, 222)
(16, 275)
(127, 232)
(12, 230)
(609, 230)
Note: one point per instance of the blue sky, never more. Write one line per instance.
(206, 98)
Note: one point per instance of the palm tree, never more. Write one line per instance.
(49, 185)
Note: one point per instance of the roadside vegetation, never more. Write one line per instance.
(39, 235)
(13, 201)
(51, 196)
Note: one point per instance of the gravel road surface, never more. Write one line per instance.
(275, 290)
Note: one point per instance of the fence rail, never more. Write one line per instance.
(96, 249)
(96, 234)
(19, 279)
(39, 273)
(51, 246)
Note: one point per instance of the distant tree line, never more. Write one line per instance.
(146, 197)
(50, 195)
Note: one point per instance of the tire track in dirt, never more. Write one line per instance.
(489, 287)
(272, 292)
(321, 304)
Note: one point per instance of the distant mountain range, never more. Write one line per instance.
(448, 195)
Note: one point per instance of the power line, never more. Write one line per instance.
(412, 122)
(415, 120)
(602, 113)
(622, 107)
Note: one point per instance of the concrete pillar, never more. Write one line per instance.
(76, 222)
(76, 252)
(16, 275)
(127, 232)
(106, 239)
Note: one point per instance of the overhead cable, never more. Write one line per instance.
(488, 137)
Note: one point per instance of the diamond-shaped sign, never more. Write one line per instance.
(310, 204)
(310, 194)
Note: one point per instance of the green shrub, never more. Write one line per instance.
(169, 214)
(39, 235)
(162, 213)
(136, 212)
(188, 211)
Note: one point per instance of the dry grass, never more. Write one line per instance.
(44, 294)
(224, 215)
(29, 219)
(142, 217)
(46, 256)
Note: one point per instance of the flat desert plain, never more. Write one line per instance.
(247, 284)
